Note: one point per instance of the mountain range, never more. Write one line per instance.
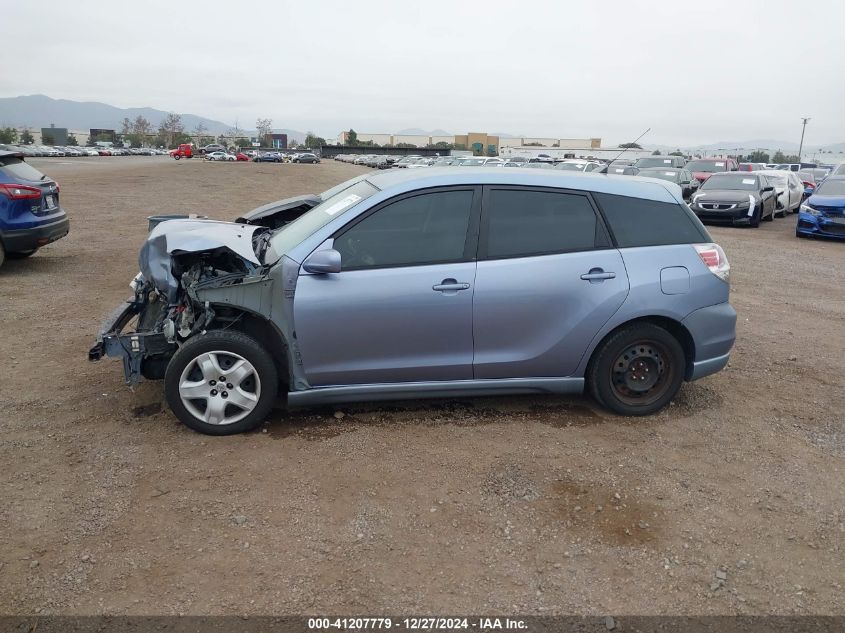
(36, 111)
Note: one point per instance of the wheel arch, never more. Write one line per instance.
(261, 329)
(671, 325)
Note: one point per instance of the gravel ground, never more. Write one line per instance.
(730, 501)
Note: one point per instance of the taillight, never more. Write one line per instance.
(20, 192)
(715, 259)
(809, 184)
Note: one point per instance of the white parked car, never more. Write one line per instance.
(577, 164)
(788, 187)
(220, 156)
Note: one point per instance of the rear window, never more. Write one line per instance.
(16, 168)
(639, 222)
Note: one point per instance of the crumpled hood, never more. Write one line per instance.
(191, 236)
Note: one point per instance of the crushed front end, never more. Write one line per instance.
(184, 264)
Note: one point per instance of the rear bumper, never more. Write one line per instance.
(703, 368)
(22, 240)
(713, 331)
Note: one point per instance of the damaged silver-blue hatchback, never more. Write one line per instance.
(429, 283)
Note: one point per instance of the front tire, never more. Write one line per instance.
(637, 370)
(770, 217)
(221, 383)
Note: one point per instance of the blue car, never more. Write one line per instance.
(823, 213)
(30, 213)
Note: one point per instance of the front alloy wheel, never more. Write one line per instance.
(221, 383)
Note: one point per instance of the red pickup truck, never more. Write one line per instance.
(703, 168)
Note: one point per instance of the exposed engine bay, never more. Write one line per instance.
(195, 274)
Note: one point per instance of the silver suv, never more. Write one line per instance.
(434, 282)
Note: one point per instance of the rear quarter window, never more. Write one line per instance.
(640, 222)
(19, 170)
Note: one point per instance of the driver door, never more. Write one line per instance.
(400, 310)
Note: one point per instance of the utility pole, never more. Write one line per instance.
(801, 145)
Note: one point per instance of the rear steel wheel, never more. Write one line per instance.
(640, 374)
(637, 370)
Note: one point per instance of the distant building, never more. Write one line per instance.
(279, 141)
(477, 142)
(58, 134)
(102, 135)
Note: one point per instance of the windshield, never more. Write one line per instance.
(307, 224)
(710, 166)
(472, 162)
(571, 166)
(731, 181)
(657, 161)
(671, 176)
(831, 188)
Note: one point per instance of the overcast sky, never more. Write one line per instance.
(695, 72)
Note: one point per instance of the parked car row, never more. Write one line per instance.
(69, 151)
(282, 157)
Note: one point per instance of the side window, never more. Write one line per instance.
(639, 222)
(521, 223)
(429, 228)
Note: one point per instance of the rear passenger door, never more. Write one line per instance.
(547, 280)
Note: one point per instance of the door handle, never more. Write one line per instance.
(596, 275)
(450, 285)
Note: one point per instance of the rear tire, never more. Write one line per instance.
(2, 254)
(238, 403)
(637, 370)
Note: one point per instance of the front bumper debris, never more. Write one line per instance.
(132, 348)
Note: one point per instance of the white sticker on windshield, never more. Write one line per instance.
(719, 164)
(343, 203)
(668, 173)
(668, 161)
(749, 181)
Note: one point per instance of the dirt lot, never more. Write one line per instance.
(731, 501)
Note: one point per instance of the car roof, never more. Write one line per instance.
(676, 169)
(400, 181)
